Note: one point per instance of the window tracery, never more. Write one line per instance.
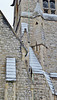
(49, 6)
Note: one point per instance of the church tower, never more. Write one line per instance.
(21, 6)
(28, 52)
(35, 23)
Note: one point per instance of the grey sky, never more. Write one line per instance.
(7, 9)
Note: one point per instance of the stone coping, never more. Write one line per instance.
(38, 12)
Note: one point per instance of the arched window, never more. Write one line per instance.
(45, 4)
(49, 6)
(52, 5)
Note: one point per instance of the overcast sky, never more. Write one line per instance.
(7, 9)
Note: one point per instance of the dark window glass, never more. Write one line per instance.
(45, 4)
(52, 1)
(52, 5)
(52, 12)
(45, 11)
(46, 7)
(45, 0)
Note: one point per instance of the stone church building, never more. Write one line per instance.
(28, 51)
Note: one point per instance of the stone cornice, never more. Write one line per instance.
(38, 12)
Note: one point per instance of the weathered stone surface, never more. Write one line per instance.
(10, 47)
(42, 37)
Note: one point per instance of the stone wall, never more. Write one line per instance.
(40, 31)
(41, 87)
(45, 32)
(28, 5)
(10, 47)
(50, 31)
